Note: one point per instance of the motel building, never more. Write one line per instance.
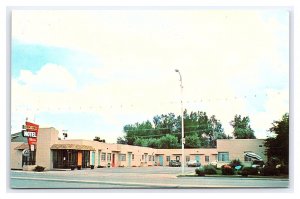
(54, 153)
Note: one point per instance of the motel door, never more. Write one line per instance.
(197, 157)
(93, 158)
(129, 159)
(161, 160)
(79, 158)
(113, 160)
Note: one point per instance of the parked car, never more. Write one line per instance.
(257, 164)
(193, 163)
(214, 163)
(174, 163)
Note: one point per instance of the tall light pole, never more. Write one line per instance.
(182, 125)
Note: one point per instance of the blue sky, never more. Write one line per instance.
(92, 72)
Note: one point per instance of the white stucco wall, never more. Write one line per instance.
(15, 156)
(46, 138)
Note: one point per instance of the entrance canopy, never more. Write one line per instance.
(78, 147)
(22, 146)
(253, 156)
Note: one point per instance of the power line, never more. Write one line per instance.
(122, 106)
(154, 129)
(161, 135)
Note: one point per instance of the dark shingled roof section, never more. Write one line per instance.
(18, 137)
(22, 146)
(73, 146)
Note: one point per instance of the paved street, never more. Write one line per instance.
(146, 177)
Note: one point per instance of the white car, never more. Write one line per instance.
(193, 163)
(214, 163)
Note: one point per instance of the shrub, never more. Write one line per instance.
(269, 171)
(210, 169)
(248, 171)
(92, 166)
(79, 167)
(235, 163)
(39, 168)
(72, 167)
(200, 171)
(227, 170)
(284, 169)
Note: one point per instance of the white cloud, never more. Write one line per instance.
(50, 77)
(221, 54)
(276, 105)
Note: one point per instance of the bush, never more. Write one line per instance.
(92, 166)
(200, 171)
(79, 167)
(227, 170)
(235, 163)
(72, 167)
(269, 171)
(284, 169)
(210, 169)
(39, 168)
(248, 171)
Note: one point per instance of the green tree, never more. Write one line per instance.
(192, 141)
(130, 131)
(134, 131)
(215, 131)
(242, 129)
(121, 140)
(278, 144)
(168, 142)
(153, 143)
(200, 130)
(141, 142)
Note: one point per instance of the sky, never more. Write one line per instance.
(91, 72)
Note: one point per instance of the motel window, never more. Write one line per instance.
(122, 157)
(142, 157)
(223, 156)
(149, 157)
(178, 158)
(168, 158)
(145, 158)
(103, 156)
(109, 157)
(153, 158)
(132, 156)
(206, 158)
(29, 160)
(187, 158)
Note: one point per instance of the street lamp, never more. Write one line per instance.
(182, 125)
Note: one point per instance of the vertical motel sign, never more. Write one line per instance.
(30, 130)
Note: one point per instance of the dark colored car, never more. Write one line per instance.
(174, 163)
(257, 164)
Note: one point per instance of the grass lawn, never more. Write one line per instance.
(219, 174)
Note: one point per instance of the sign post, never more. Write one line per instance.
(30, 130)
(32, 147)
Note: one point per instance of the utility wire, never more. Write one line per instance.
(122, 106)
(161, 135)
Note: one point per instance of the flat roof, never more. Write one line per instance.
(73, 147)
(22, 146)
